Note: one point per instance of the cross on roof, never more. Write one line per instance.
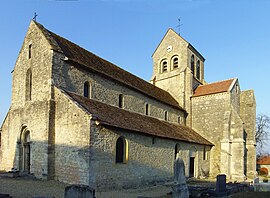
(35, 17)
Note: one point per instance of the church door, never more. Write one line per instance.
(191, 166)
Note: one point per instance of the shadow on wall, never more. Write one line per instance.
(79, 165)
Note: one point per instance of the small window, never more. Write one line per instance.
(176, 150)
(237, 88)
(28, 85)
(121, 153)
(146, 109)
(29, 51)
(120, 101)
(175, 62)
(154, 140)
(179, 119)
(204, 153)
(192, 66)
(86, 90)
(164, 66)
(198, 72)
(166, 115)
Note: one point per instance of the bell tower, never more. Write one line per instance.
(178, 68)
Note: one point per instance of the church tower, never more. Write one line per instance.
(178, 68)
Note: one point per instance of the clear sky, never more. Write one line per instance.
(232, 35)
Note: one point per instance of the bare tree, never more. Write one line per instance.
(262, 131)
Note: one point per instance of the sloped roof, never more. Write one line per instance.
(188, 44)
(115, 117)
(81, 57)
(213, 88)
(264, 160)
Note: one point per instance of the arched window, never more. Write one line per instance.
(164, 66)
(166, 115)
(198, 71)
(146, 109)
(86, 90)
(192, 66)
(176, 150)
(121, 153)
(28, 85)
(120, 101)
(175, 62)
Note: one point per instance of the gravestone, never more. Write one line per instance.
(180, 189)
(221, 189)
(79, 191)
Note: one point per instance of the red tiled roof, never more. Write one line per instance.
(81, 57)
(115, 117)
(213, 88)
(264, 160)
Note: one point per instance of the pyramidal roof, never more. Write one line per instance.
(80, 57)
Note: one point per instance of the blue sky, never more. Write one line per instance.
(233, 35)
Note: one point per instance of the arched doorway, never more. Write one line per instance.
(25, 151)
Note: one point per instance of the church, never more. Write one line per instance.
(79, 119)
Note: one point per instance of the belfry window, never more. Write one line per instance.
(29, 51)
(28, 85)
(121, 150)
(120, 101)
(192, 66)
(87, 90)
(175, 62)
(164, 66)
(198, 71)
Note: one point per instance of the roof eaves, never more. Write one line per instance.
(196, 51)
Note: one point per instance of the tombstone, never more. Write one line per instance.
(180, 189)
(221, 189)
(79, 191)
(256, 180)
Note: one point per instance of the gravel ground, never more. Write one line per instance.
(28, 187)
(23, 187)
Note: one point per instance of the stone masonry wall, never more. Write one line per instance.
(208, 118)
(33, 114)
(107, 91)
(72, 140)
(148, 162)
(248, 115)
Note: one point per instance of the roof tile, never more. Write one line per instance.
(120, 118)
(213, 88)
(90, 61)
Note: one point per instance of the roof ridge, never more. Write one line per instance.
(91, 61)
(219, 81)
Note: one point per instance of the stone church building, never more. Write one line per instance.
(77, 118)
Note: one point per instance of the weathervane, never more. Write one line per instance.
(35, 17)
(179, 25)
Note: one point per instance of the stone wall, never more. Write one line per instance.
(107, 91)
(248, 115)
(33, 114)
(208, 118)
(72, 139)
(149, 161)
